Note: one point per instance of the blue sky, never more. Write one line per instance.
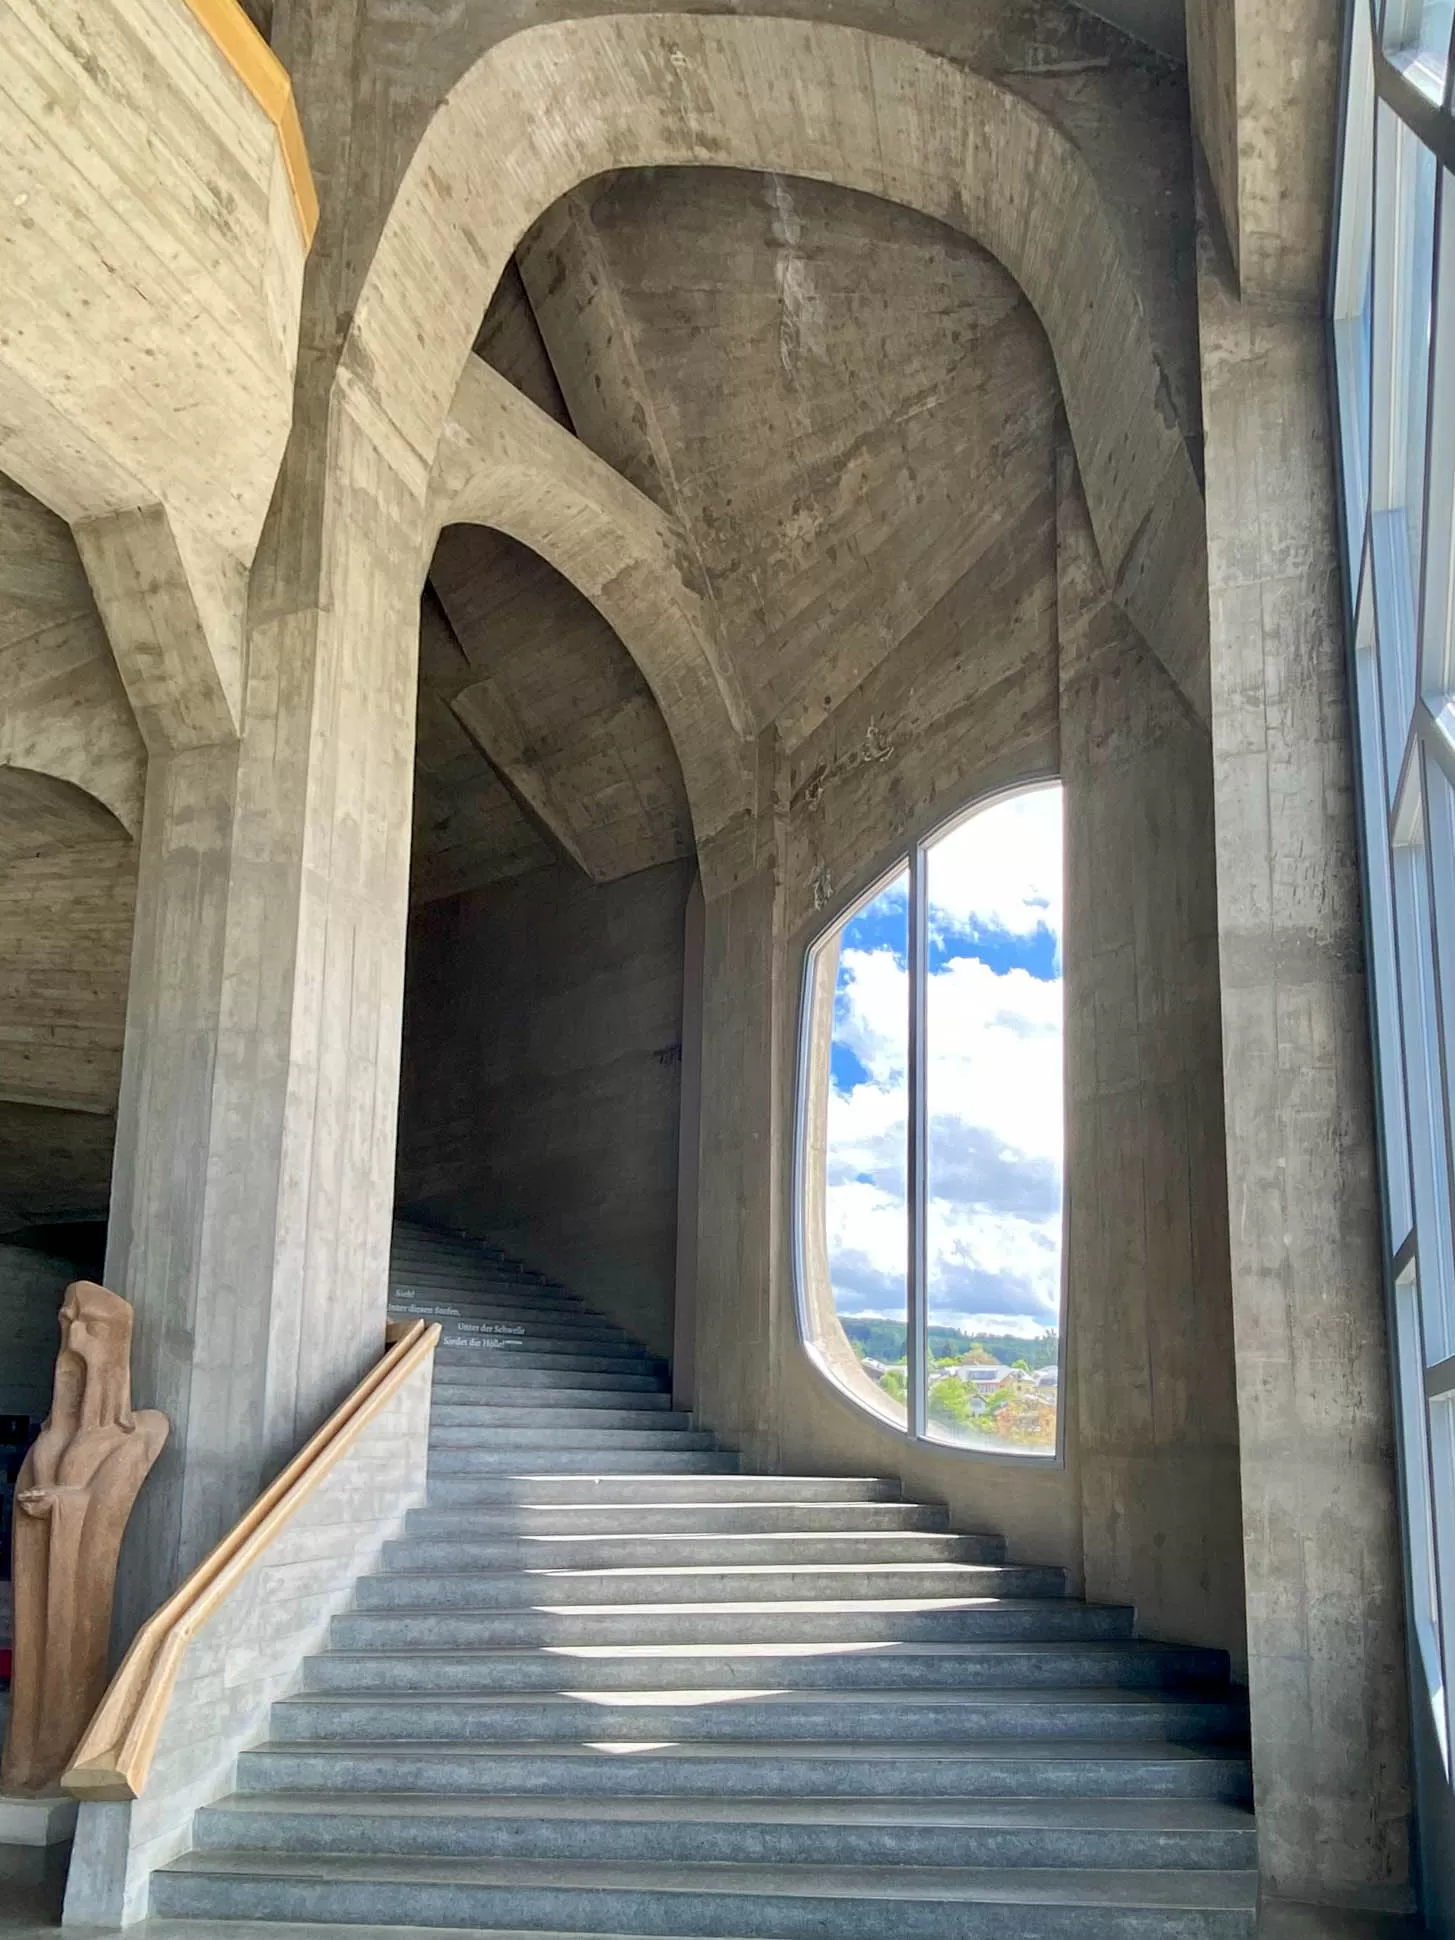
(995, 1098)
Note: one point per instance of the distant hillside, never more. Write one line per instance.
(884, 1340)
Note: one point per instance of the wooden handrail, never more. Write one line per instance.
(115, 1754)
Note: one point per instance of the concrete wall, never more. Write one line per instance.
(1025, 670)
(31, 1286)
(542, 1065)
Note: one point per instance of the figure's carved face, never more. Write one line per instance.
(95, 1327)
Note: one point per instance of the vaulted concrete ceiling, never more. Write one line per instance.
(846, 408)
(832, 394)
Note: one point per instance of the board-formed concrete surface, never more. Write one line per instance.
(829, 323)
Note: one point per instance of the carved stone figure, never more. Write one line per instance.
(72, 1501)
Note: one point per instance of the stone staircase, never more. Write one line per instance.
(606, 1684)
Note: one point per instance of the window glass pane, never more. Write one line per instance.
(1414, 1434)
(1442, 1510)
(1438, 638)
(1417, 40)
(1427, 1127)
(1353, 301)
(858, 1177)
(1404, 239)
(1380, 891)
(994, 1031)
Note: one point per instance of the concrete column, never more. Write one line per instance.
(253, 1180)
(1149, 1306)
(1320, 1518)
(740, 1267)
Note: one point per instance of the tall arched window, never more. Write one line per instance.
(931, 1135)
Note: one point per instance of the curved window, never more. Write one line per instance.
(931, 1133)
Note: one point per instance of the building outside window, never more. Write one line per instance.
(1394, 350)
(931, 1135)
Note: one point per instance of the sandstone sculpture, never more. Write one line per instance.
(72, 1501)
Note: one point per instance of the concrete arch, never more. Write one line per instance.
(557, 104)
(41, 811)
(502, 462)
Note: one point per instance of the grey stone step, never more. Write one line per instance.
(751, 1831)
(483, 1402)
(697, 1549)
(909, 1620)
(478, 1350)
(1017, 1768)
(772, 1903)
(712, 1583)
(779, 1666)
(511, 1314)
(461, 1286)
(458, 1426)
(535, 1336)
(471, 1282)
(594, 1435)
(821, 1717)
(591, 1458)
(637, 1490)
(461, 1381)
(674, 1518)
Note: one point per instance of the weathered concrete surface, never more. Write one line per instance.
(1084, 76)
(1150, 1313)
(54, 1165)
(146, 373)
(63, 710)
(865, 111)
(546, 690)
(65, 945)
(469, 827)
(505, 463)
(1320, 1517)
(1264, 79)
(538, 1101)
(896, 384)
(32, 1285)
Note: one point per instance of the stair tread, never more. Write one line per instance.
(787, 1606)
(1064, 1698)
(889, 1651)
(1133, 1814)
(1091, 1886)
(951, 1571)
(857, 1751)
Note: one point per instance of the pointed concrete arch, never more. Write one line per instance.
(557, 104)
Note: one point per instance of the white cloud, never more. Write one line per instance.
(995, 1099)
(1001, 869)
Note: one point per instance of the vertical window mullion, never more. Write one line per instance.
(916, 1183)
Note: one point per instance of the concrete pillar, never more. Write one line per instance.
(1149, 1307)
(253, 1181)
(741, 1271)
(1320, 1517)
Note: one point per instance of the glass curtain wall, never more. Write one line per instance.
(1394, 352)
(931, 1136)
